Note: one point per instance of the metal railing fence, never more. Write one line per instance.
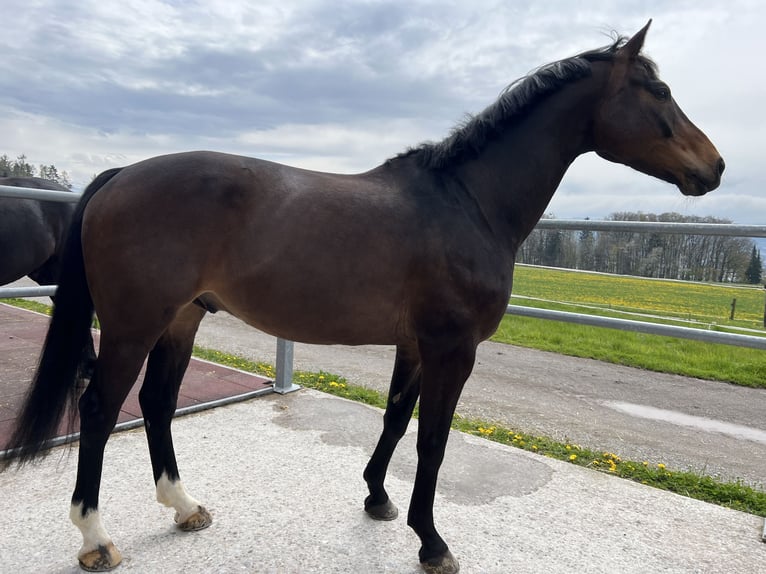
(283, 382)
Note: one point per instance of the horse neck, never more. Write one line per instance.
(515, 176)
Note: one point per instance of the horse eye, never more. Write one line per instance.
(662, 93)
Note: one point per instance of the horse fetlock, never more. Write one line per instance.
(172, 493)
(98, 553)
(100, 559)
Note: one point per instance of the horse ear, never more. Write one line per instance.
(633, 46)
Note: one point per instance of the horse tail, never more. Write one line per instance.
(57, 382)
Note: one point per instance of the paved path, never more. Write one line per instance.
(21, 336)
(282, 476)
(715, 428)
(502, 509)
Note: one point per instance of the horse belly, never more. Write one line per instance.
(339, 315)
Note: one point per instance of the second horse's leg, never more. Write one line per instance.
(158, 398)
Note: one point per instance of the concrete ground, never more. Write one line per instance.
(707, 427)
(282, 478)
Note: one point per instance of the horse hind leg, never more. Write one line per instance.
(403, 393)
(116, 371)
(167, 364)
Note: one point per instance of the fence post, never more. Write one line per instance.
(733, 308)
(283, 382)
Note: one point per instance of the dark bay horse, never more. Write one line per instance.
(32, 233)
(418, 253)
(32, 237)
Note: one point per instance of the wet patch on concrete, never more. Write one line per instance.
(472, 472)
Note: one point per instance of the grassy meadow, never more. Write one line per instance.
(701, 304)
(705, 306)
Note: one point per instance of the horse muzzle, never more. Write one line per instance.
(699, 182)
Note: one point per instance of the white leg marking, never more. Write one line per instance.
(93, 532)
(174, 494)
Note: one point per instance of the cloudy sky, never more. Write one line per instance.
(343, 85)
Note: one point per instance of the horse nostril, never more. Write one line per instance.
(721, 165)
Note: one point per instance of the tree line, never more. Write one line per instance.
(686, 257)
(19, 167)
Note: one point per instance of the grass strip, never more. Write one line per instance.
(711, 361)
(30, 305)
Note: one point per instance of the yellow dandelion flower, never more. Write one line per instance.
(573, 457)
(661, 466)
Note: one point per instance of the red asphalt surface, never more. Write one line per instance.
(22, 334)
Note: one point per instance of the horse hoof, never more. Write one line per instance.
(444, 564)
(101, 559)
(197, 521)
(386, 511)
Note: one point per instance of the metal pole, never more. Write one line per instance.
(39, 194)
(283, 382)
(764, 311)
(735, 339)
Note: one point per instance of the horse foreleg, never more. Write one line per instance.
(402, 395)
(443, 377)
(116, 370)
(167, 364)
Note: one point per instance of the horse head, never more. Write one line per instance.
(639, 124)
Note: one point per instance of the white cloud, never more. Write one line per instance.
(341, 86)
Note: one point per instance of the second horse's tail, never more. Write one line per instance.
(56, 383)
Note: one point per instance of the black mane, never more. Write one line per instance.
(469, 138)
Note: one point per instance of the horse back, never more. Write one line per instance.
(32, 232)
(304, 255)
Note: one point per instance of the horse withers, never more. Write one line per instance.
(424, 246)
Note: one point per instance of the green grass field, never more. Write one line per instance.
(704, 304)
(690, 304)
